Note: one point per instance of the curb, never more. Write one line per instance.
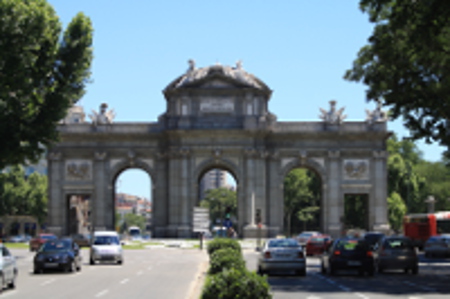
(195, 289)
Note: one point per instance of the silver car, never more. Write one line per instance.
(106, 247)
(437, 246)
(8, 269)
(282, 255)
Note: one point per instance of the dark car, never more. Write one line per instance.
(40, 239)
(61, 254)
(373, 239)
(82, 240)
(397, 253)
(348, 254)
(316, 245)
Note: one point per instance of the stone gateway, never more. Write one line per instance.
(218, 117)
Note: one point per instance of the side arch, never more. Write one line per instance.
(314, 166)
(125, 164)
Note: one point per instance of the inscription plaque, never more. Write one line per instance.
(216, 106)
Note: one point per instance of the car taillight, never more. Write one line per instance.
(369, 253)
(267, 255)
(337, 252)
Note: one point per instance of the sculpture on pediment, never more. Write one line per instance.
(104, 116)
(332, 116)
(78, 170)
(355, 169)
(376, 115)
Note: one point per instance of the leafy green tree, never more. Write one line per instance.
(396, 210)
(297, 195)
(23, 196)
(218, 201)
(436, 177)
(407, 63)
(308, 214)
(42, 73)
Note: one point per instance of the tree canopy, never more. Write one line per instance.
(43, 71)
(407, 63)
(220, 201)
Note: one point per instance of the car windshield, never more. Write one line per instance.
(398, 244)
(55, 246)
(372, 239)
(352, 245)
(48, 237)
(282, 243)
(106, 240)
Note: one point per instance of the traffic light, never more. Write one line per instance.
(258, 218)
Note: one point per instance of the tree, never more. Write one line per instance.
(219, 201)
(407, 64)
(297, 195)
(22, 195)
(42, 74)
(396, 210)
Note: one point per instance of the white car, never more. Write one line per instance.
(282, 255)
(8, 268)
(106, 247)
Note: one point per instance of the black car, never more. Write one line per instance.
(62, 254)
(348, 254)
(373, 239)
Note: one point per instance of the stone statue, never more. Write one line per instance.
(191, 65)
(104, 117)
(376, 115)
(333, 117)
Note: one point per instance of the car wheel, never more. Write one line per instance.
(371, 272)
(405, 270)
(79, 267)
(2, 282)
(415, 270)
(331, 270)
(91, 261)
(380, 269)
(12, 283)
(37, 271)
(260, 271)
(323, 270)
(361, 272)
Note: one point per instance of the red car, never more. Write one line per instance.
(40, 239)
(317, 244)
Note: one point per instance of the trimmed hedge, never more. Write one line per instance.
(220, 243)
(236, 283)
(225, 258)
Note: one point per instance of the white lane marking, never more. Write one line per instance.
(149, 268)
(139, 273)
(48, 282)
(361, 295)
(102, 293)
(313, 297)
(125, 281)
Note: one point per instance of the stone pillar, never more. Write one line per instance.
(56, 207)
(160, 198)
(174, 194)
(380, 192)
(275, 197)
(333, 195)
(184, 229)
(100, 197)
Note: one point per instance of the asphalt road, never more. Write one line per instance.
(174, 273)
(149, 273)
(433, 281)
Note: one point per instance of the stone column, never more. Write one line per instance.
(333, 195)
(101, 196)
(174, 193)
(56, 207)
(184, 229)
(275, 197)
(160, 197)
(380, 191)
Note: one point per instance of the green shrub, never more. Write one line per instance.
(225, 258)
(235, 283)
(221, 243)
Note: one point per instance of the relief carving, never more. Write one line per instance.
(78, 170)
(356, 169)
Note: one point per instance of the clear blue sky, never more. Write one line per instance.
(299, 48)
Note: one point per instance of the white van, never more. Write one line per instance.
(106, 247)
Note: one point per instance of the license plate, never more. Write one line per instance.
(354, 263)
(51, 265)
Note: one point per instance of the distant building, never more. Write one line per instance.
(213, 179)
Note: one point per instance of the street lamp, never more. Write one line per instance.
(430, 201)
